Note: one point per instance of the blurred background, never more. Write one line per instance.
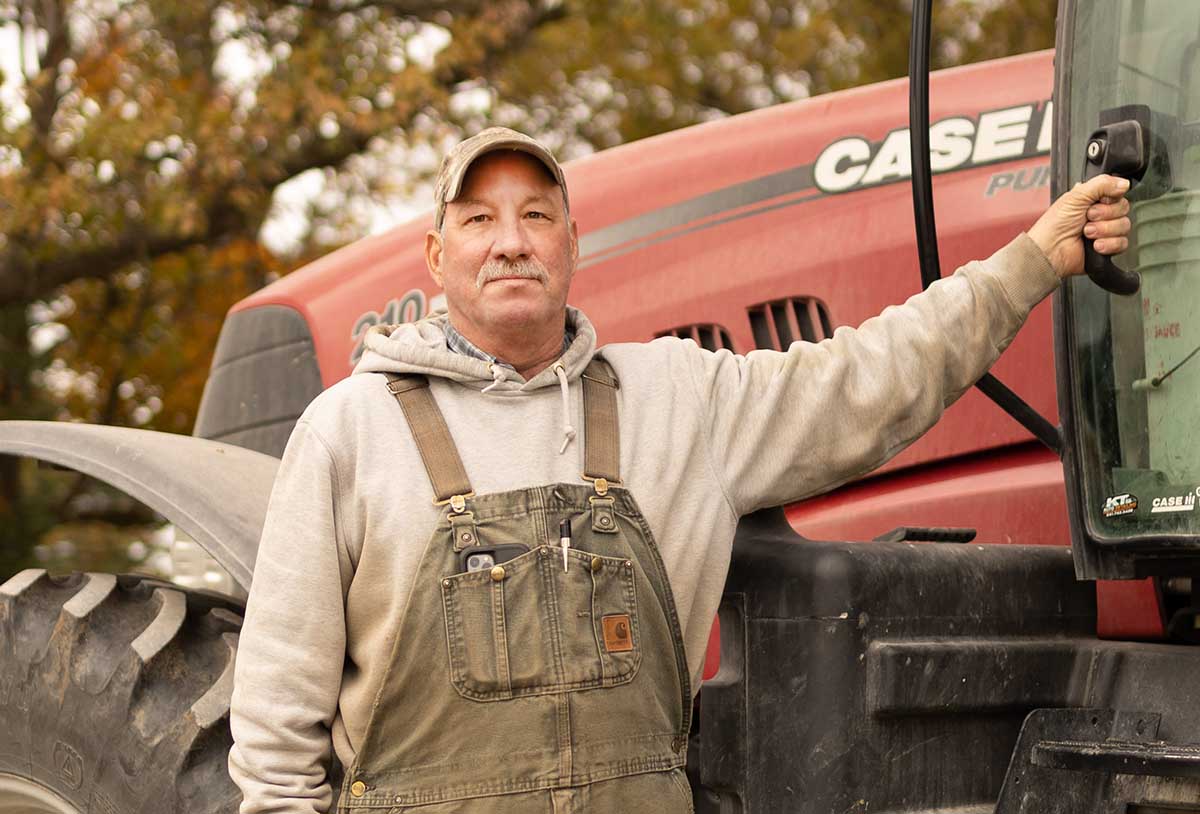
(162, 159)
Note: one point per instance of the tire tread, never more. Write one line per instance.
(129, 678)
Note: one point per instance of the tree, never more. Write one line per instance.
(139, 164)
(146, 142)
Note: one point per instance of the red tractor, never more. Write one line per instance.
(1019, 635)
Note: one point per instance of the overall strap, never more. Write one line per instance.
(429, 430)
(602, 440)
(601, 435)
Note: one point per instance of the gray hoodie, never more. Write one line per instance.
(705, 438)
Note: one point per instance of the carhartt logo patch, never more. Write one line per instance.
(618, 635)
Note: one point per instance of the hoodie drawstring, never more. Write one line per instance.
(568, 430)
(498, 375)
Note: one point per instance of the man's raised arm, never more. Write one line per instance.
(787, 425)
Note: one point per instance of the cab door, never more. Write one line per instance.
(1128, 81)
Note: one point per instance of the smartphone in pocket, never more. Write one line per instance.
(485, 557)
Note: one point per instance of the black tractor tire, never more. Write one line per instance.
(114, 695)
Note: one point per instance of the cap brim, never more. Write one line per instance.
(465, 161)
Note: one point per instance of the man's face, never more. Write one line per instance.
(507, 250)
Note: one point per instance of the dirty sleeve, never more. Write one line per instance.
(785, 425)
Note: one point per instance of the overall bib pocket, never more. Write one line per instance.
(526, 627)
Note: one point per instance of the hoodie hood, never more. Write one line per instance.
(420, 347)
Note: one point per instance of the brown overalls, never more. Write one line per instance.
(524, 687)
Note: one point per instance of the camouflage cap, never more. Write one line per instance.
(456, 163)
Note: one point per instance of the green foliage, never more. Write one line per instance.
(146, 144)
(614, 72)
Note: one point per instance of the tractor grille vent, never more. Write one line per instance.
(707, 336)
(779, 323)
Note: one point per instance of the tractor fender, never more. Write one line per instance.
(216, 493)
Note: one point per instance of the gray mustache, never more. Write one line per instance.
(497, 269)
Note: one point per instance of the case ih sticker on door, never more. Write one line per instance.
(1119, 505)
(1173, 503)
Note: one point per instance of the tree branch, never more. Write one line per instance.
(421, 9)
(43, 96)
(515, 22)
(22, 280)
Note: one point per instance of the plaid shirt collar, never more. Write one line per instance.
(458, 343)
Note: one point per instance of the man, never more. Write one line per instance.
(518, 622)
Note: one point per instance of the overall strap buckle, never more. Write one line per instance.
(462, 529)
(457, 503)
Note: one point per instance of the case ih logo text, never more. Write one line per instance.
(1174, 503)
(1119, 505)
(954, 143)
